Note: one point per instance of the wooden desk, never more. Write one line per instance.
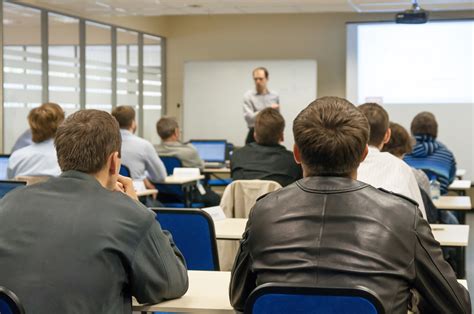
(182, 180)
(451, 235)
(461, 203)
(216, 170)
(460, 186)
(146, 192)
(208, 293)
(446, 235)
(187, 183)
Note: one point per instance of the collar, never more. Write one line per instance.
(126, 132)
(74, 174)
(330, 185)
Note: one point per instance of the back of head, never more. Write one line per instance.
(331, 135)
(44, 121)
(86, 139)
(166, 127)
(400, 142)
(378, 121)
(125, 116)
(424, 123)
(269, 127)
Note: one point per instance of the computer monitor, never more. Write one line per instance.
(4, 166)
(8, 186)
(211, 150)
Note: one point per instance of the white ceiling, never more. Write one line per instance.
(191, 7)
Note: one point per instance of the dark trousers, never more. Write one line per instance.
(250, 138)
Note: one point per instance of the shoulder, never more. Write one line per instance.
(399, 197)
(249, 94)
(273, 93)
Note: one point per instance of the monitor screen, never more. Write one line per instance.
(8, 186)
(3, 167)
(211, 151)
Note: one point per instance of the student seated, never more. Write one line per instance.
(429, 154)
(39, 158)
(23, 140)
(81, 242)
(138, 154)
(399, 145)
(266, 159)
(381, 169)
(168, 130)
(329, 230)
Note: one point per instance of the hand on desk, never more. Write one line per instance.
(125, 185)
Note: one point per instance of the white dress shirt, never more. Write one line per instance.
(384, 170)
(139, 156)
(37, 159)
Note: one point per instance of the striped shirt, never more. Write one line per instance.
(434, 158)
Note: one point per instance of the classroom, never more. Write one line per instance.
(236, 156)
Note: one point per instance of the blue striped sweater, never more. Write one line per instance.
(434, 158)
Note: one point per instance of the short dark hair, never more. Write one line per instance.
(331, 135)
(166, 126)
(378, 121)
(400, 142)
(86, 139)
(269, 127)
(424, 123)
(125, 116)
(261, 69)
(44, 121)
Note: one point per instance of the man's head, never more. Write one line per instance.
(379, 124)
(44, 121)
(400, 142)
(89, 141)
(168, 129)
(125, 116)
(424, 123)
(260, 77)
(269, 127)
(331, 138)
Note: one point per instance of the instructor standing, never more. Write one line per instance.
(257, 100)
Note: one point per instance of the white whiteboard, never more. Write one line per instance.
(214, 90)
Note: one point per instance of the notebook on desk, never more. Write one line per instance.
(212, 152)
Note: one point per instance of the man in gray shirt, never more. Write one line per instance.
(81, 242)
(258, 99)
(168, 130)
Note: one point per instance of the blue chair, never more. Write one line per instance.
(8, 186)
(9, 302)
(172, 195)
(125, 171)
(284, 298)
(194, 235)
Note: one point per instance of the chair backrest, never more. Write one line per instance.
(240, 196)
(193, 233)
(9, 302)
(280, 298)
(170, 163)
(125, 171)
(8, 186)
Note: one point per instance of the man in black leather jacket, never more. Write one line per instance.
(330, 230)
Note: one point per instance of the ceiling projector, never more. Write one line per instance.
(414, 15)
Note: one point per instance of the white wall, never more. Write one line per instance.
(213, 95)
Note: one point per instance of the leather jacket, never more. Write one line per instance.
(339, 232)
